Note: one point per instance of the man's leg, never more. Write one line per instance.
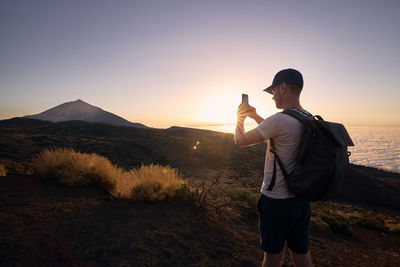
(272, 260)
(298, 238)
(301, 260)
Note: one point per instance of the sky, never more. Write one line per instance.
(186, 63)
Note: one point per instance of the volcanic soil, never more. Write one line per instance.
(47, 224)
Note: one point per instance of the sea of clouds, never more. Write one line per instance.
(376, 146)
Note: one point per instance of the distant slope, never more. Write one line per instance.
(21, 139)
(80, 110)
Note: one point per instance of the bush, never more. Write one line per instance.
(209, 194)
(3, 171)
(76, 169)
(154, 182)
(9, 167)
(393, 226)
(336, 222)
(66, 166)
(243, 194)
(148, 182)
(221, 200)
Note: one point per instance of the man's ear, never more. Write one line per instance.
(284, 88)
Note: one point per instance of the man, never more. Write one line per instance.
(283, 217)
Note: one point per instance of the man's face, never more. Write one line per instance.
(277, 96)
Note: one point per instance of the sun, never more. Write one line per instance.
(219, 109)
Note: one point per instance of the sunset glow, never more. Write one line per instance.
(191, 64)
(219, 108)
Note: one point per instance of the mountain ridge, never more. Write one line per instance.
(80, 110)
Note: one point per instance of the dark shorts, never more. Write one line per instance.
(284, 220)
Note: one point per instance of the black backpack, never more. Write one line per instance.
(321, 161)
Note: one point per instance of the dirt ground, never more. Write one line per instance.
(45, 224)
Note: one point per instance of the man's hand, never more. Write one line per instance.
(246, 111)
(251, 137)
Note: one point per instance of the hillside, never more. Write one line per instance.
(80, 110)
(45, 223)
(216, 154)
(63, 226)
(126, 146)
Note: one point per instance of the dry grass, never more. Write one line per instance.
(348, 215)
(154, 182)
(3, 171)
(209, 194)
(222, 200)
(77, 169)
(243, 194)
(148, 182)
(393, 226)
(151, 182)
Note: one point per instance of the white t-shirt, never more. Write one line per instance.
(285, 131)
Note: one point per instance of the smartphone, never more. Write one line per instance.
(245, 100)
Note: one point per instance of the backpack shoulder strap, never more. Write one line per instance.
(302, 116)
(276, 159)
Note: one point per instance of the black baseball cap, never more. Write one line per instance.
(289, 76)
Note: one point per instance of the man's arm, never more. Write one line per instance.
(257, 118)
(251, 137)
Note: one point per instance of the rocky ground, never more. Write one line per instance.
(45, 224)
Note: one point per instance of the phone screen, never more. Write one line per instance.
(245, 99)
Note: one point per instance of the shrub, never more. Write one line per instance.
(9, 167)
(76, 169)
(243, 194)
(221, 200)
(209, 194)
(154, 182)
(393, 226)
(3, 171)
(336, 222)
(147, 182)
(151, 182)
